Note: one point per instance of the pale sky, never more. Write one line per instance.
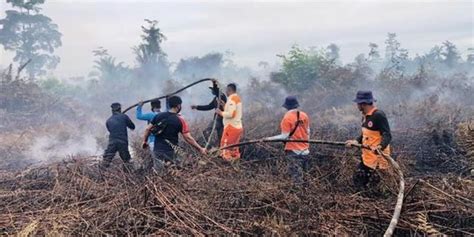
(253, 31)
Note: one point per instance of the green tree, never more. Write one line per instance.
(61, 88)
(332, 53)
(302, 68)
(361, 67)
(450, 54)
(31, 35)
(395, 55)
(209, 65)
(434, 56)
(374, 54)
(151, 58)
(108, 71)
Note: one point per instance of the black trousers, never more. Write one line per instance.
(160, 158)
(365, 177)
(219, 130)
(112, 149)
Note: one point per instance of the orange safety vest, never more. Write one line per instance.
(372, 138)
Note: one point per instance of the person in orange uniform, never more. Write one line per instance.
(232, 119)
(295, 125)
(375, 134)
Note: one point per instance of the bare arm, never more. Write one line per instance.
(146, 135)
(190, 140)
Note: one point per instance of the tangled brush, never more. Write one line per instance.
(206, 196)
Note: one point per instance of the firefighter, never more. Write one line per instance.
(117, 126)
(232, 120)
(217, 103)
(167, 126)
(376, 135)
(295, 125)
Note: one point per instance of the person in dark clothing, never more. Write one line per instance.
(376, 135)
(166, 127)
(117, 126)
(217, 102)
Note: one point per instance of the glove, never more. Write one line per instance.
(351, 143)
(376, 149)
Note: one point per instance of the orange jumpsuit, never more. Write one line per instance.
(233, 130)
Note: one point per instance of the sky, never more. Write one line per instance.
(253, 30)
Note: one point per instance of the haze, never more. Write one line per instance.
(253, 31)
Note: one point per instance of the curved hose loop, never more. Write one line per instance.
(182, 89)
(401, 193)
(401, 184)
(168, 95)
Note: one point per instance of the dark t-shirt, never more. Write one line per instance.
(378, 121)
(117, 126)
(175, 124)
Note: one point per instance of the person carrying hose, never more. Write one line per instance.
(217, 103)
(155, 109)
(376, 135)
(232, 120)
(295, 125)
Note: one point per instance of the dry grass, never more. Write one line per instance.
(206, 196)
(211, 197)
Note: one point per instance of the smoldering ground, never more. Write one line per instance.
(60, 127)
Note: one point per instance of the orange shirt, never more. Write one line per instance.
(301, 133)
(232, 114)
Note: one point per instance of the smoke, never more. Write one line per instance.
(327, 98)
(50, 147)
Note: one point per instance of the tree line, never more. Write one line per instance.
(33, 36)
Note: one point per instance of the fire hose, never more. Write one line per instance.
(170, 94)
(401, 187)
(399, 203)
(214, 121)
(180, 90)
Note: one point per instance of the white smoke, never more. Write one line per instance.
(53, 147)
